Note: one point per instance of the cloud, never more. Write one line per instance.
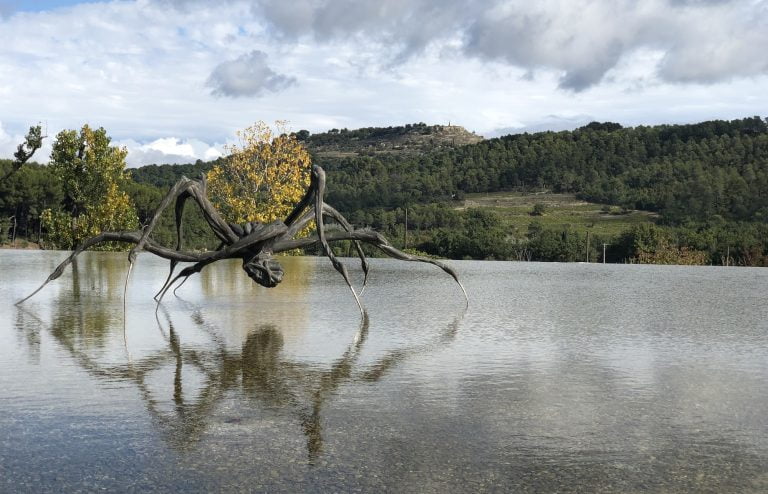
(549, 122)
(247, 75)
(404, 27)
(687, 3)
(703, 40)
(8, 143)
(148, 69)
(581, 40)
(170, 150)
(718, 43)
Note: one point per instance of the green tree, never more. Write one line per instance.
(538, 209)
(556, 245)
(650, 244)
(32, 142)
(481, 236)
(92, 174)
(24, 195)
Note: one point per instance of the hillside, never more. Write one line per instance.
(517, 210)
(683, 172)
(409, 139)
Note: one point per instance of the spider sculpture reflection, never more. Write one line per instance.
(254, 243)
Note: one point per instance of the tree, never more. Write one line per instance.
(32, 142)
(263, 178)
(538, 209)
(92, 174)
(25, 194)
(555, 245)
(481, 236)
(650, 244)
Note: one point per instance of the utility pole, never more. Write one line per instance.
(405, 233)
(587, 246)
(13, 236)
(39, 218)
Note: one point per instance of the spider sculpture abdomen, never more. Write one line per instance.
(262, 267)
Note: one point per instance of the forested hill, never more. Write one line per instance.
(164, 176)
(684, 172)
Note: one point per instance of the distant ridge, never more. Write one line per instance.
(408, 139)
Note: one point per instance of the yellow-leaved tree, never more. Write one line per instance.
(264, 176)
(92, 174)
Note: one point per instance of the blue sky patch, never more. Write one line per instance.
(41, 5)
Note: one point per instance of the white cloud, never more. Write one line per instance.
(553, 123)
(145, 69)
(705, 40)
(403, 28)
(8, 143)
(169, 150)
(247, 75)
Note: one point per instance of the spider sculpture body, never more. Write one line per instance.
(253, 243)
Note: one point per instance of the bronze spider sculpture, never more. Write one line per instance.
(254, 243)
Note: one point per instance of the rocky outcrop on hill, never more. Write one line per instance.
(411, 138)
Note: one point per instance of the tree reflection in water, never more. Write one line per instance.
(260, 371)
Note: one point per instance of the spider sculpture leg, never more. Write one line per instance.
(341, 220)
(181, 201)
(184, 189)
(181, 191)
(369, 237)
(330, 212)
(297, 221)
(236, 247)
(245, 248)
(179, 210)
(127, 237)
(318, 176)
(322, 209)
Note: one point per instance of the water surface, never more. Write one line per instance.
(558, 377)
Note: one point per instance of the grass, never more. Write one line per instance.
(560, 210)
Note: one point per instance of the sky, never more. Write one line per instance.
(174, 80)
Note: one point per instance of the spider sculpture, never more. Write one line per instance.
(254, 243)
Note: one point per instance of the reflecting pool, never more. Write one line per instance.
(557, 377)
